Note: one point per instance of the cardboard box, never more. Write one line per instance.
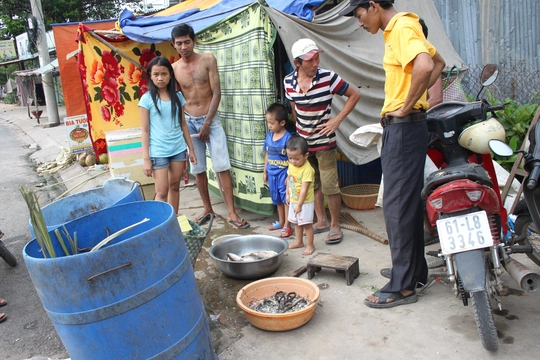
(125, 154)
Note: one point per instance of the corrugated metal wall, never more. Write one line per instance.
(493, 31)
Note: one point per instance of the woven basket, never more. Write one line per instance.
(360, 196)
(195, 239)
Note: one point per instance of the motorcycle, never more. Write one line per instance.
(463, 202)
(526, 235)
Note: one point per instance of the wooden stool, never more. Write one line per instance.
(342, 264)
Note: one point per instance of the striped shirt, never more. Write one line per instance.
(313, 108)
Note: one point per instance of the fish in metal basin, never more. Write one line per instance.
(252, 256)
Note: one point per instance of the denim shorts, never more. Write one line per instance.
(217, 145)
(164, 162)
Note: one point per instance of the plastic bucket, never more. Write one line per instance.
(114, 191)
(136, 298)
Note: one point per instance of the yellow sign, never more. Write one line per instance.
(7, 50)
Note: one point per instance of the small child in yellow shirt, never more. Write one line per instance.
(300, 193)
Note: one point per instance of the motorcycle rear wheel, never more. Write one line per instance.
(484, 320)
(524, 225)
(7, 255)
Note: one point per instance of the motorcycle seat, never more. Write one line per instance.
(474, 172)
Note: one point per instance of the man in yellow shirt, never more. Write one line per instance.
(412, 65)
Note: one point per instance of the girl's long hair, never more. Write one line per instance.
(176, 106)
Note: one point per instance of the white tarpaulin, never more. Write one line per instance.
(40, 71)
(356, 56)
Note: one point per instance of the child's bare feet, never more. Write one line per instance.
(309, 250)
(296, 245)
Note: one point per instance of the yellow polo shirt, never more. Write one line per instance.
(403, 41)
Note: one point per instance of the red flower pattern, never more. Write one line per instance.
(143, 86)
(108, 75)
(146, 56)
(119, 109)
(110, 64)
(110, 92)
(105, 113)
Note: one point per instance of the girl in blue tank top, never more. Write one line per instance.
(165, 135)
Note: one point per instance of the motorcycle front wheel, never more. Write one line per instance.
(524, 226)
(484, 320)
(7, 255)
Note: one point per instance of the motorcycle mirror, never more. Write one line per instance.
(500, 148)
(489, 74)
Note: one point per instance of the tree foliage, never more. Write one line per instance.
(14, 13)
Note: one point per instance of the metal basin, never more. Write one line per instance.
(245, 244)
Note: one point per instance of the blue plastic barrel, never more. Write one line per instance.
(136, 298)
(114, 191)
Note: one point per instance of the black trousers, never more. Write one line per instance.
(403, 157)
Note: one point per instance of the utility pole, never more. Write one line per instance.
(44, 59)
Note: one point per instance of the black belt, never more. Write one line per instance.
(412, 117)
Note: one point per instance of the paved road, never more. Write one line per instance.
(27, 332)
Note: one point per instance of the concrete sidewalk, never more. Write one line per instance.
(438, 326)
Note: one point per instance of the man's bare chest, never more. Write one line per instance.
(193, 77)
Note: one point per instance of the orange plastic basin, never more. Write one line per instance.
(268, 287)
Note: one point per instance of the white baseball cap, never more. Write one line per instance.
(305, 49)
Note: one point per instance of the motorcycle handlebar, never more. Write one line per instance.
(533, 177)
(496, 107)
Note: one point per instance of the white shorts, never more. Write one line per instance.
(305, 216)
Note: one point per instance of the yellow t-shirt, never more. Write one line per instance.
(298, 175)
(403, 41)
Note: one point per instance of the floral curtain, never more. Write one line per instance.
(112, 84)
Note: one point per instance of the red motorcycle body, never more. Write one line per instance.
(461, 195)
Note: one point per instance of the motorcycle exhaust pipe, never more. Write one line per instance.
(525, 277)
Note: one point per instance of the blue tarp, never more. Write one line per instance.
(155, 29)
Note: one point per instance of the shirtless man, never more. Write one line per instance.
(198, 77)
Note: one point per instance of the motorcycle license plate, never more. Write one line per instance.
(464, 232)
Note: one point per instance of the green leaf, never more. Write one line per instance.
(513, 142)
(118, 58)
(97, 96)
(158, 53)
(153, 47)
(97, 50)
(136, 51)
(126, 95)
(122, 101)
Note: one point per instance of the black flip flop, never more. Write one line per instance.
(204, 219)
(239, 224)
(334, 241)
(398, 298)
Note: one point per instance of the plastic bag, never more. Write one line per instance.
(452, 89)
